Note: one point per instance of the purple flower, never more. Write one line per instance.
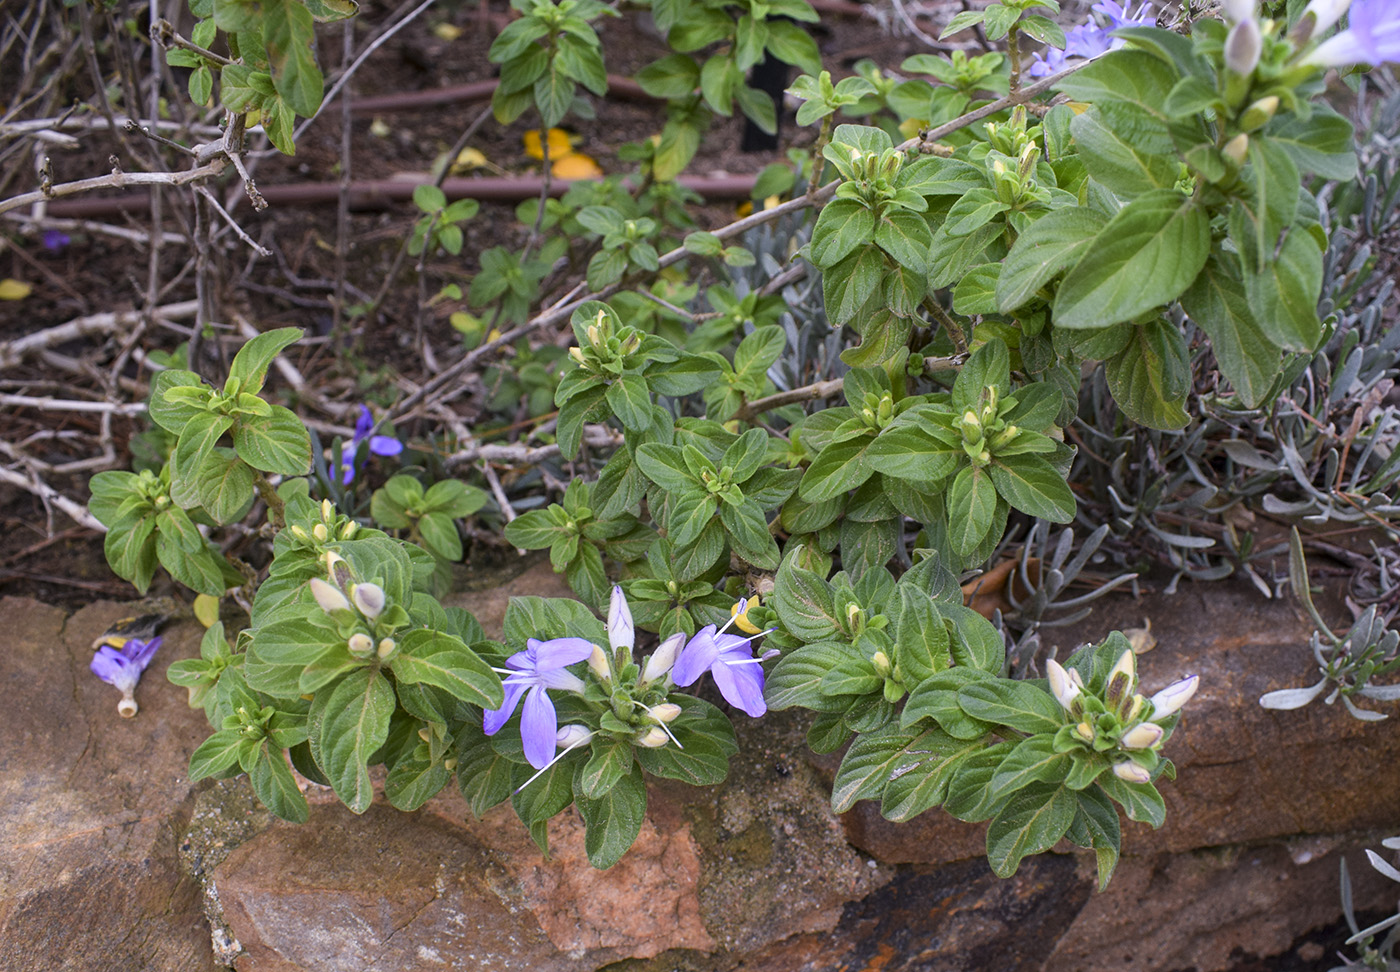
(55, 240)
(380, 445)
(123, 667)
(1372, 36)
(738, 675)
(539, 667)
(1092, 38)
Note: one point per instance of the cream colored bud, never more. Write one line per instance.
(1061, 686)
(666, 712)
(425, 734)
(327, 510)
(1237, 148)
(349, 530)
(1174, 696)
(1243, 47)
(1144, 735)
(369, 598)
(299, 532)
(386, 648)
(598, 664)
(320, 532)
(1131, 772)
(450, 764)
(360, 644)
(570, 736)
(576, 354)
(663, 658)
(1085, 731)
(328, 596)
(881, 661)
(653, 738)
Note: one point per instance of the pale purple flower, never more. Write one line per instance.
(380, 445)
(54, 240)
(1092, 38)
(539, 667)
(123, 666)
(738, 675)
(1372, 36)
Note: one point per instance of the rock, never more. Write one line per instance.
(1245, 773)
(739, 866)
(90, 804)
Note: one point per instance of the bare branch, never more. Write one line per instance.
(117, 179)
(76, 512)
(12, 352)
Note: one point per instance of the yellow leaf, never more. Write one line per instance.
(772, 202)
(206, 609)
(469, 158)
(576, 165)
(447, 32)
(465, 323)
(11, 289)
(379, 128)
(912, 126)
(560, 144)
(743, 209)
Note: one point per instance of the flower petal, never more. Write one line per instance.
(538, 727)
(560, 652)
(741, 684)
(621, 632)
(385, 445)
(140, 653)
(495, 718)
(112, 667)
(363, 426)
(696, 657)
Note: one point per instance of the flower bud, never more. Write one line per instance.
(653, 738)
(450, 763)
(598, 664)
(425, 734)
(971, 427)
(369, 598)
(1131, 772)
(328, 596)
(1257, 115)
(576, 354)
(1144, 735)
(1120, 679)
(663, 658)
(1243, 47)
(881, 661)
(327, 510)
(299, 531)
(1061, 686)
(1237, 148)
(1325, 14)
(386, 648)
(1085, 731)
(1174, 696)
(592, 332)
(349, 530)
(1238, 10)
(570, 736)
(361, 644)
(666, 712)
(320, 532)
(621, 632)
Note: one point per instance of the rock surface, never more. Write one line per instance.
(112, 858)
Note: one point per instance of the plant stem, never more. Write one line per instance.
(276, 509)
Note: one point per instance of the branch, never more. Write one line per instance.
(116, 179)
(827, 389)
(12, 352)
(76, 512)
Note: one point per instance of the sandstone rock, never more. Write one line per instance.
(90, 804)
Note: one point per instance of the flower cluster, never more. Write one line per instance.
(1092, 38)
(1122, 724)
(636, 698)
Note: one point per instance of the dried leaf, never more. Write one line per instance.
(11, 289)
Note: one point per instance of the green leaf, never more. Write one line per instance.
(538, 800)
(1100, 821)
(1145, 257)
(610, 761)
(199, 570)
(1020, 705)
(921, 638)
(348, 726)
(1127, 150)
(554, 93)
(172, 412)
(1219, 306)
(708, 741)
(275, 786)
(974, 210)
(1031, 822)
(843, 225)
(201, 433)
(439, 532)
(793, 45)
(1133, 76)
(630, 401)
(972, 501)
(581, 61)
(1320, 143)
(216, 755)
(804, 601)
(483, 775)
(1150, 377)
(415, 779)
(613, 820)
(798, 677)
(936, 698)
(908, 452)
(278, 444)
(1284, 295)
(1140, 801)
(289, 31)
(906, 237)
(251, 362)
(838, 468)
(1030, 484)
(961, 22)
(920, 779)
(436, 658)
(1273, 181)
(849, 284)
(868, 766)
(225, 486)
(1034, 760)
(675, 76)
